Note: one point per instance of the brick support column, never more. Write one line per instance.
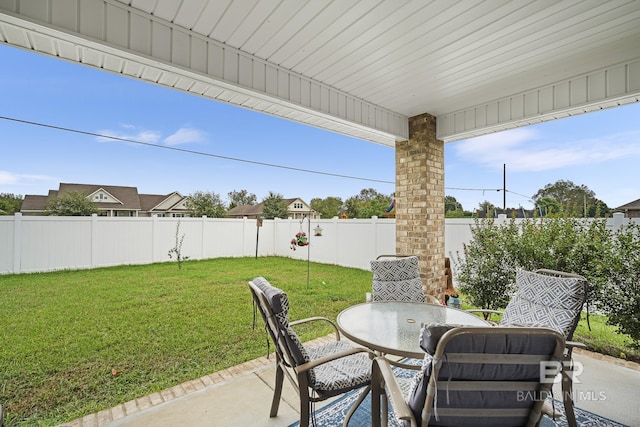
(420, 201)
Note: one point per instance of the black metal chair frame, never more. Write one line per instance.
(297, 375)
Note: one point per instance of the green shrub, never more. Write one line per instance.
(621, 291)
(486, 269)
(609, 260)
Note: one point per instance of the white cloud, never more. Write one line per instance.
(10, 178)
(185, 136)
(525, 150)
(131, 133)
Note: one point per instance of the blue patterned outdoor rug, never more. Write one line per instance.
(332, 415)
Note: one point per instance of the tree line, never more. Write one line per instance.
(562, 198)
(366, 204)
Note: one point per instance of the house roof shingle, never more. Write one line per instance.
(34, 203)
(631, 205)
(245, 210)
(127, 198)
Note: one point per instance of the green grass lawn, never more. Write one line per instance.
(62, 333)
(604, 338)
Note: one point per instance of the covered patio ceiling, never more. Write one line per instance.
(361, 68)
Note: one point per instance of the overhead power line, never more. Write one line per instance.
(473, 189)
(199, 153)
(218, 156)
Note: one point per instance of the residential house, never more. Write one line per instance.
(296, 209)
(113, 200)
(630, 210)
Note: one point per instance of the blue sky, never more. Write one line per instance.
(600, 150)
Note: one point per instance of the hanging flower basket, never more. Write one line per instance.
(299, 240)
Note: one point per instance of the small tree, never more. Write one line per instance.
(10, 203)
(71, 203)
(177, 249)
(328, 208)
(240, 198)
(208, 204)
(274, 206)
(451, 204)
(367, 204)
(487, 270)
(574, 200)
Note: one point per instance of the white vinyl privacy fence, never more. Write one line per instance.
(45, 243)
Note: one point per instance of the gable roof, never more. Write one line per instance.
(150, 201)
(635, 205)
(256, 210)
(124, 198)
(33, 203)
(245, 210)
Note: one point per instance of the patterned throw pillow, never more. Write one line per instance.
(544, 300)
(397, 280)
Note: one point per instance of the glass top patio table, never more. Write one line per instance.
(393, 327)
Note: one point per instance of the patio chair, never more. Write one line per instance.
(397, 278)
(472, 376)
(552, 299)
(317, 373)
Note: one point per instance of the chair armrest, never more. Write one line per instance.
(315, 319)
(317, 362)
(575, 344)
(381, 370)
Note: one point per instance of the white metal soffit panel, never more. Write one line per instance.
(358, 67)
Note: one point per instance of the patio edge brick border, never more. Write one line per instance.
(145, 402)
(610, 359)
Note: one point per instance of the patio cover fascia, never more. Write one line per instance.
(113, 36)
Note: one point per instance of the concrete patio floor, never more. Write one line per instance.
(241, 396)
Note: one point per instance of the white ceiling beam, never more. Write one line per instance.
(357, 67)
(146, 41)
(609, 87)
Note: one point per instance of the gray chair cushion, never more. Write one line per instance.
(277, 298)
(279, 304)
(328, 379)
(476, 343)
(431, 335)
(341, 374)
(397, 280)
(543, 300)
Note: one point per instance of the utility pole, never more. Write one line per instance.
(504, 188)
